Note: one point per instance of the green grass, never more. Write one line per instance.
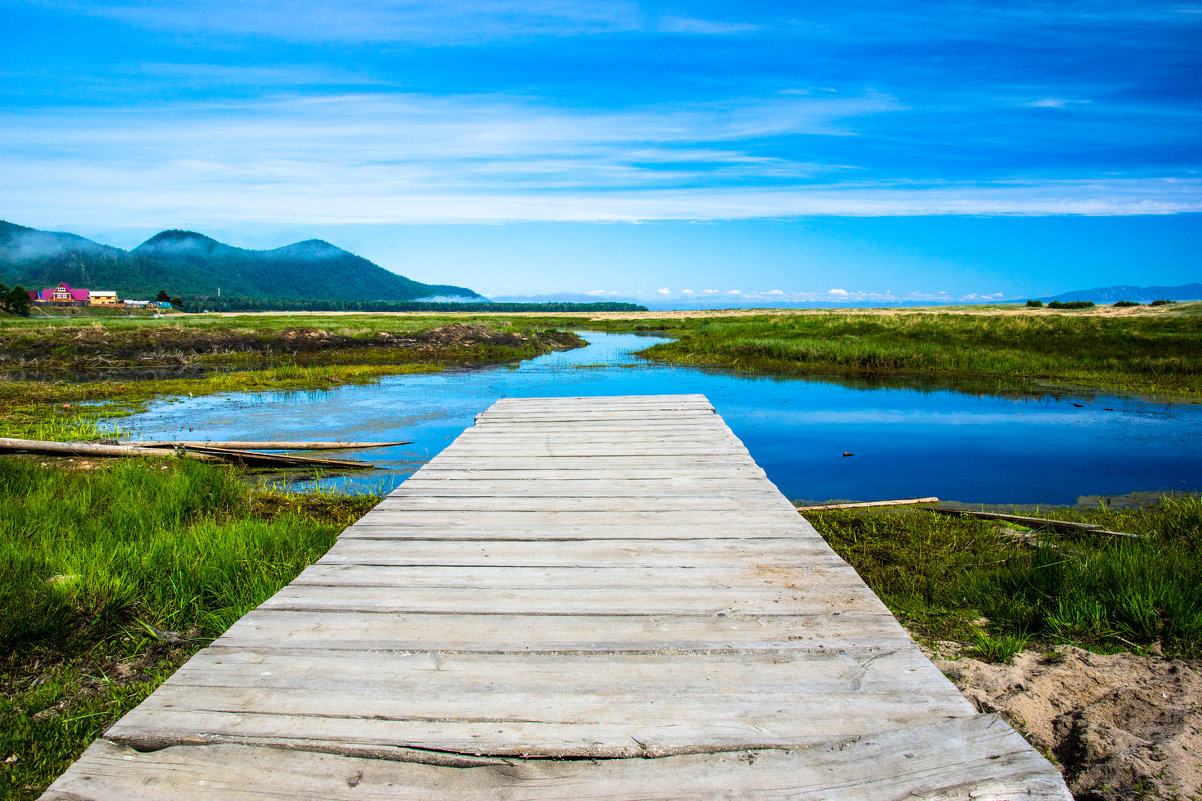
(942, 575)
(93, 562)
(1144, 352)
(75, 409)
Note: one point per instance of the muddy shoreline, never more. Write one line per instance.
(97, 347)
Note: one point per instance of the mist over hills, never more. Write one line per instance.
(189, 264)
(1139, 294)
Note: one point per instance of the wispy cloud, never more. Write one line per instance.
(409, 158)
(474, 21)
(777, 297)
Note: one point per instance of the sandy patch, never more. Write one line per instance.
(1121, 726)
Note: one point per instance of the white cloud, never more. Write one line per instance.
(704, 27)
(379, 158)
(687, 292)
(709, 292)
(838, 293)
(445, 22)
(664, 291)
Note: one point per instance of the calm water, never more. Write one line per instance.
(907, 442)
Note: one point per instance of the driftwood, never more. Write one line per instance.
(1037, 522)
(203, 454)
(262, 446)
(256, 459)
(866, 504)
(80, 448)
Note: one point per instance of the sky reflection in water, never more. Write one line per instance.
(907, 442)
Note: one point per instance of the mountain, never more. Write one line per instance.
(1139, 294)
(190, 264)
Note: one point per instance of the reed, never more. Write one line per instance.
(110, 578)
(986, 584)
(1148, 353)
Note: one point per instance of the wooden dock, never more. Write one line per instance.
(580, 598)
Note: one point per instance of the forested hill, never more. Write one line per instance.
(186, 264)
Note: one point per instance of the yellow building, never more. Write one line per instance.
(102, 297)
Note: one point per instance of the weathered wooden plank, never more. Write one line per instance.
(579, 488)
(610, 518)
(437, 472)
(632, 554)
(589, 402)
(653, 602)
(550, 445)
(636, 581)
(698, 505)
(503, 724)
(563, 675)
(707, 425)
(979, 758)
(667, 462)
(522, 633)
(711, 435)
(467, 532)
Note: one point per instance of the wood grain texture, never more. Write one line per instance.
(979, 758)
(610, 581)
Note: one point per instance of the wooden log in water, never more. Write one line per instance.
(257, 459)
(866, 504)
(263, 446)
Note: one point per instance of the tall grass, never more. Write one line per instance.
(939, 574)
(1151, 353)
(89, 553)
(100, 570)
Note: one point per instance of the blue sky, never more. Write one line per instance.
(733, 152)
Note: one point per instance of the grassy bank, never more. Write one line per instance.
(997, 587)
(52, 373)
(1145, 351)
(110, 578)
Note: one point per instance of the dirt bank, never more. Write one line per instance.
(1121, 726)
(108, 346)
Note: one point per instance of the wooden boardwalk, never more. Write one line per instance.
(579, 598)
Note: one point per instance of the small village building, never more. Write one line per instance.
(63, 294)
(102, 297)
(137, 304)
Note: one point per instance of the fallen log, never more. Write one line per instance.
(1037, 522)
(83, 449)
(866, 504)
(262, 446)
(257, 459)
(202, 454)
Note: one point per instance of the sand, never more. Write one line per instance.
(1121, 726)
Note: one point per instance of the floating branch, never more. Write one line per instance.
(866, 504)
(265, 446)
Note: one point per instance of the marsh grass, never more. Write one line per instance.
(80, 409)
(95, 565)
(1148, 353)
(942, 575)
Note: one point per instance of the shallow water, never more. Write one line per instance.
(915, 440)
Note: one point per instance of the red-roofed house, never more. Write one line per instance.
(61, 294)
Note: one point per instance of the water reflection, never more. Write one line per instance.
(969, 441)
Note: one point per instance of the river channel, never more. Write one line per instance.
(971, 443)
